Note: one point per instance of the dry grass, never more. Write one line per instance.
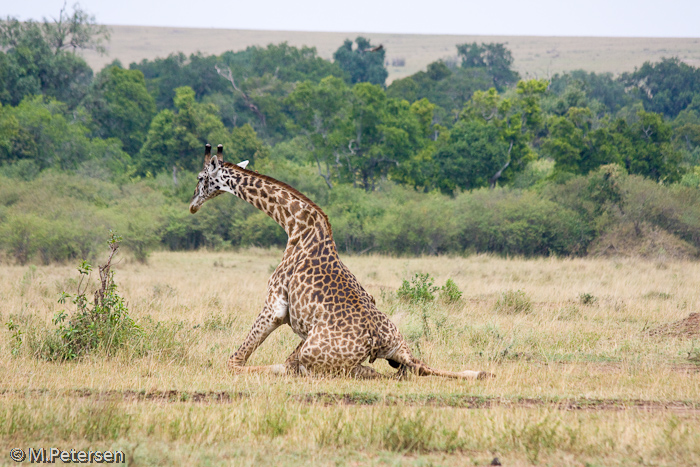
(579, 378)
(535, 56)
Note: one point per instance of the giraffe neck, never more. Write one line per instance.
(300, 218)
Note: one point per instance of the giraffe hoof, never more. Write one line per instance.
(485, 375)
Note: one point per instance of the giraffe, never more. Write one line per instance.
(311, 290)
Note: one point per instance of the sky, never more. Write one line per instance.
(613, 18)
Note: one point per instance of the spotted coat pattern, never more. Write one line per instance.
(311, 290)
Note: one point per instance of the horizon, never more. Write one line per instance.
(543, 18)
(398, 33)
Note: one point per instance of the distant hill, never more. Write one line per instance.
(534, 56)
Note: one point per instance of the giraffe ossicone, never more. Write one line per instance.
(311, 290)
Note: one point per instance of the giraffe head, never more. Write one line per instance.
(210, 182)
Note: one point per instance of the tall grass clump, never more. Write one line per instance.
(513, 302)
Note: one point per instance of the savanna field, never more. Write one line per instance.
(587, 372)
(524, 206)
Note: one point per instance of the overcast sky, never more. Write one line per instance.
(621, 18)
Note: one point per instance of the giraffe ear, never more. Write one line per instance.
(214, 164)
(243, 164)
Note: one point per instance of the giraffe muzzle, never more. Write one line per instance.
(194, 207)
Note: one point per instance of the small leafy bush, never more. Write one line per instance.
(103, 324)
(420, 289)
(587, 299)
(15, 338)
(449, 292)
(513, 302)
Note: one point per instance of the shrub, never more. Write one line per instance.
(587, 299)
(513, 222)
(15, 338)
(420, 289)
(105, 324)
(449, 292)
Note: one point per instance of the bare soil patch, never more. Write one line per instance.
(687, 327)
(462, 401)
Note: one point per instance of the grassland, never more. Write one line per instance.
(535, 56)
(579, 378)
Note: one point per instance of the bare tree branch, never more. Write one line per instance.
(225, 73)
(497, 175)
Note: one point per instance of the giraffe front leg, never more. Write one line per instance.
(273, 315)
(406, 362)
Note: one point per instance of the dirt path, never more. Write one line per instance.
(368, 399)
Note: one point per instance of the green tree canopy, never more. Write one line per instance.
(364, 63)
(29, 66)
(494, 58)
(666, 87)
(177, 138)
(121, 106)
(40, 133)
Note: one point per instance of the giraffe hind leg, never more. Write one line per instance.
(365, 372)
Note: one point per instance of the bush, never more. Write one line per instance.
(420, 289)
(513, 222)
(587, 299)
(104, 324)
(449, 292)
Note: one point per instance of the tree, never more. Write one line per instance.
(517, 120)
(290, 64)
(492, 57)
(382, 134)
(666, 87)
(319, 111)
(36, 59)
(41, 133)
(580, 88)
(121, 106)
(164, 75)
(175, 139)
(359, 135)
(76, 30)
(643, 145)
(686, 132)
(245, 145)
(474, 152)
(576, 146)
(364, 64)
(646, 149)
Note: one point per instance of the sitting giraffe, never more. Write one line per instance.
(311, 290)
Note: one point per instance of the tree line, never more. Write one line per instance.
(466, 127)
